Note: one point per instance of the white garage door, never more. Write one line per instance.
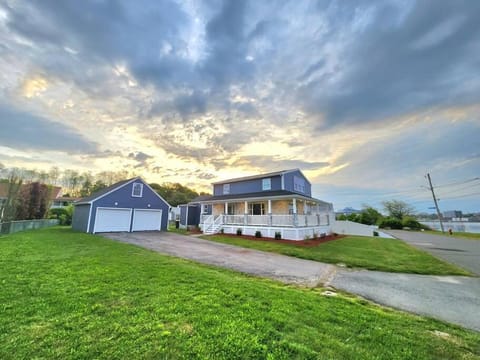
(112, 219)
(146, 220)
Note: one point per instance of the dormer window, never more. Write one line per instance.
(137, 190)
(267, 184)
(226, 189)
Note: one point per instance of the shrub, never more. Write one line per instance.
(375, 233)
(239, 232)
(62, 214)
(391, 223)
(307, 237)
(411, 223)
(222, 231)
(278, 235)
(258, 234)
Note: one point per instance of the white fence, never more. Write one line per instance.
(352, 228)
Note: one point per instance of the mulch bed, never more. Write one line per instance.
(302, 243)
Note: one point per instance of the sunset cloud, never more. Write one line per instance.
(365, 97)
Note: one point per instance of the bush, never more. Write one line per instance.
(375, 233)
(62, 214)
(411, 223)
(239, 232)
(222, 231)
(391, 223)
(258, 234)
(278, 235)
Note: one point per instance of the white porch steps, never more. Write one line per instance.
(212, 225)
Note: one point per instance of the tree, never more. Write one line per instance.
(174, 193)
(54, 174)
(9, 205)
(370, 216)
(397, 209)
(33, 202)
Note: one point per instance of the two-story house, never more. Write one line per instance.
(277, 202)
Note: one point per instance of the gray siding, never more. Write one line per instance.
(193, 214)
(124, 199)
(289, 178)
(80, 217)
(248, 186)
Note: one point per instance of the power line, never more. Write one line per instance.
(458, 182)
(463, 188)
(460, 196)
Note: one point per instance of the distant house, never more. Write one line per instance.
(277, 202)
(347, 211)
(129, 205)
(56, 200)
(63, 201)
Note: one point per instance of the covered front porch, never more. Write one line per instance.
(294, 217)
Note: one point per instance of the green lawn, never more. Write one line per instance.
(463, 235)
(67, 295)
(371, 253)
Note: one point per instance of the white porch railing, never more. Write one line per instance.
(283, 220)
(258, 220)
(234, 219)
(213, 222)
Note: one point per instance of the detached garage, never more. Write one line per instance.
(129, 205)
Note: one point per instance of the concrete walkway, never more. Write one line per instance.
(454, 299)
(462, 252)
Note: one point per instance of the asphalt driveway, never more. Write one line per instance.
(454, 299)
(461, 252)
(279, 267)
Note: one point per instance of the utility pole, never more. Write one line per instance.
(436, 203)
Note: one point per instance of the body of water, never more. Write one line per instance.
(471, 227)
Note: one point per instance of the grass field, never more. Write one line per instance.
(371, 253)
(67, 295)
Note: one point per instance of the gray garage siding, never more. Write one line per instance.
(124, 199)
(80, 217)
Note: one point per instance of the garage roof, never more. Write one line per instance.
(103, 192)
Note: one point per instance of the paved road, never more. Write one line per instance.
(450, 298)
(454, 299)
(464, 253)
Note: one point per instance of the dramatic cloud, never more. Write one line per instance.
(27, 131)
(366, 95)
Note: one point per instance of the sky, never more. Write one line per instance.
(365, 97)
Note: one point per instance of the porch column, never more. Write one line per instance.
(269, 212)
(304, 212)
(245, 214)
(295, 212)
(226, 208)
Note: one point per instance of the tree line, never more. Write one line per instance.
(399, 215)
(29, 192)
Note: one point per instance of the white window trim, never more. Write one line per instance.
(268, 182)
(227, 188)
(141, 189)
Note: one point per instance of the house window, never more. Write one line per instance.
(298, 184)
(256, 208)
(266, 184)
(231, 209)
(137, 190)
(226, 189)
